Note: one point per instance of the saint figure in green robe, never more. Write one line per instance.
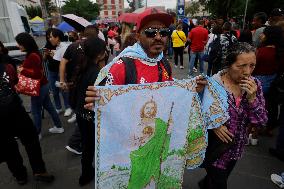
(152, 140)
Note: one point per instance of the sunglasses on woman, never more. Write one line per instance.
(152, 32)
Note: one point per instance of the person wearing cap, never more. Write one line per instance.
(152, 33)
(149, 64)
(147, 54)
(276, 15)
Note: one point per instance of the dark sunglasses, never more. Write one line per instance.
(152, 32)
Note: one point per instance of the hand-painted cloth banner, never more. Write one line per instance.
(147, 134)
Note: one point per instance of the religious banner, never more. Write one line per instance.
(147, 134)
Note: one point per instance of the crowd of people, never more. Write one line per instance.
(247, 64)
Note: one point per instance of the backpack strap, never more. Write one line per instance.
(166, 64)
(130, 70)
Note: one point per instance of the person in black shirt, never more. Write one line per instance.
(92, 59)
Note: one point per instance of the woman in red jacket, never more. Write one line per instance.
(32, 68)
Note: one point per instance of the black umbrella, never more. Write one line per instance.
(79, 23)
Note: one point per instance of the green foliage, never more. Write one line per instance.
(131, 4)
(193, 8)
(122, 168)
(194, 134)
(222, 8)
(179, 152)
(33, 11)
(50, 7)
(234, 8)
(83, 8)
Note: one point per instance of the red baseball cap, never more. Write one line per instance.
(153, 14)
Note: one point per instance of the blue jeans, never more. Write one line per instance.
(170, 48)
(280, 137)
(266, 81)
(43, 101)
(192, 59)
(52, 78)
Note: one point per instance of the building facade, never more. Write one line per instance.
(110, 9)
(29, 3)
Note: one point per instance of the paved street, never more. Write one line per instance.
(251, 172)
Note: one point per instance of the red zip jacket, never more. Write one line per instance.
(32, 67)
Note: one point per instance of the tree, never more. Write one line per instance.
(192, 8)
(131, 4)
(233, 8)
(222, 8)
(33, 11)
(83, 8)
(50, 7)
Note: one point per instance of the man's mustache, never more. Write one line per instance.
(158, 43)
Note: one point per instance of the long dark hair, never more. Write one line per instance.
(92, 48)
(246, 36)
(274, 36)
(3, 49)
(28, 42)
(58, 33)
(48, 45)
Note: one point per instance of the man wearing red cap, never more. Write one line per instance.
(147, 54)
(141, 63)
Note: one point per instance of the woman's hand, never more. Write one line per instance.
(249, 86)
(201, 82)
(63, 86)
(51, 53)
(224, 134)
(92, 94)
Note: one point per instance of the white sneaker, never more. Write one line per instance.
(68, 112)
(39, 136)
(72, 119)
(56, 130)
(277, 179)
(73, 150)
(194, 69)
(248, 142)
(253, 141)
(181, 67)
(176, 66)
(59, 111)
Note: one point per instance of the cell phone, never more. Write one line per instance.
(46, 50)
(57, 84)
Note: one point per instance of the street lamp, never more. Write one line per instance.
(44, 13)
(244, 20)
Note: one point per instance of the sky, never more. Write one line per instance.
(166, 3)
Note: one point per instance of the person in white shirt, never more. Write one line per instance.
(56, 38)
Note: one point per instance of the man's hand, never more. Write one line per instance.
(201, 82)
(249, 86)
(224, 134)
(91, 95)
(63, 86)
